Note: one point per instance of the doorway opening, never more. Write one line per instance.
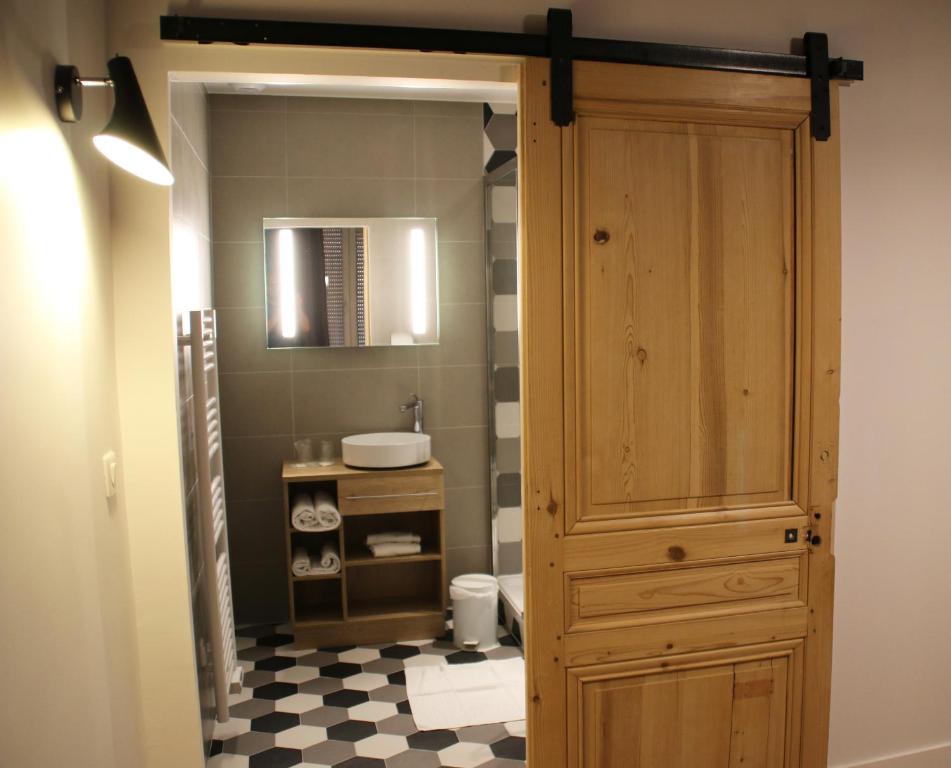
(342, 588)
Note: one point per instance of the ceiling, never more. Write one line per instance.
(362, 87)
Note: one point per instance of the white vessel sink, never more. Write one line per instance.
(386, 450)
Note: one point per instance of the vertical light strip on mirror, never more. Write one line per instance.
(287, 266)
(418, 280)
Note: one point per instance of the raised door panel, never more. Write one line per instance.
(728, 709)
(683, 353)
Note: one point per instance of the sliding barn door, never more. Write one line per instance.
(680, 360)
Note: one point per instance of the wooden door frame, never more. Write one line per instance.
(546, 241)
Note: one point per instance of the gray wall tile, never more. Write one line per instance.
(461, 273)
(510, 557)
(457, 203)
(242, 342)
(467, 520)
(504, 277)
(256, 531)
(464, 452)
(348, 146)
(450, 109)
(255, 404)
(506, 347)
(468, 560)
(380, 150)
(442, 147)
(340, 358)
(508, 458)
(506, 385)
(240, 102)
(247, 144)
(461, 337)
(349, 106)
(253, 466)
(352, 400)
(350, 197)
(509, 489)
(239, 275)
(454, 397)
(239, 206)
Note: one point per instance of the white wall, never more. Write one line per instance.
(70, 691)
(891, 672)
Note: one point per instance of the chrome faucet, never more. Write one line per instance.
(416, 404)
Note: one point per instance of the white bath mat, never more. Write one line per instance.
(459, 695)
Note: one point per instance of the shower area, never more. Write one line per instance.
(505, 481)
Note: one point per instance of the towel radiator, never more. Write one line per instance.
(214, 525)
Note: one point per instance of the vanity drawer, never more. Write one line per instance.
(369, 495)
(682, 592)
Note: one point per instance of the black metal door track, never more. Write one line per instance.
(558, 44)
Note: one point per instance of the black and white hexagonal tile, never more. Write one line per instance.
(347, 707)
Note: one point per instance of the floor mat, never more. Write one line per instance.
(461, 695)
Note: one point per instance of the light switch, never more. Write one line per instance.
(110, 473)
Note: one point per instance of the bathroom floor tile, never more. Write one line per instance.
(347, 707)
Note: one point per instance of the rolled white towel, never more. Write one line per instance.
(393, 549)
(328, 516)
(303, 513)
(301, 563)
(315, 513)
(305, 565)
(329, 560)
(393, 537)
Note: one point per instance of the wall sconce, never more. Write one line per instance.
(129, 139)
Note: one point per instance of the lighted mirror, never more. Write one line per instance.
(351, 282)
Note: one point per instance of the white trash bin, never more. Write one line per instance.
(475, 611)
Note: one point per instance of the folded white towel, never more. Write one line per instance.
(393, 537)
(304, 565)
(315, 513)
(395, 548)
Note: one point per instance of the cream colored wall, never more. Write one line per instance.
(891, 672)
(69, 694)
(191, 289)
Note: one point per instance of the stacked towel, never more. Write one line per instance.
(394, 548)
(316, 512)
(305, 565)
(393, 537)
(394, 543)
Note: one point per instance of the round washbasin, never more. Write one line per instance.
(386, 450)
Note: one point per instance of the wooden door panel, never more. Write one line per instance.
(728, 709)
(679, 418)
(683, 355)
(636, 422)
(681, 592)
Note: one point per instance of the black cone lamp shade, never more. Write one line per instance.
(129, 139)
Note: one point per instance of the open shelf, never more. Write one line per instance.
(318, 599)
(356, 529)
(393, 607)
(318, 577)
(370, 560)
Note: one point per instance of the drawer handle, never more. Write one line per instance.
(391, 495)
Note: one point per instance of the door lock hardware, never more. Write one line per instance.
(792, 535)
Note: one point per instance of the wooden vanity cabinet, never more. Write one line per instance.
(371, 599)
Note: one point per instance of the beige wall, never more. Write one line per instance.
(70, 691)
(191, 282)
(891, 673)
(314, 157)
